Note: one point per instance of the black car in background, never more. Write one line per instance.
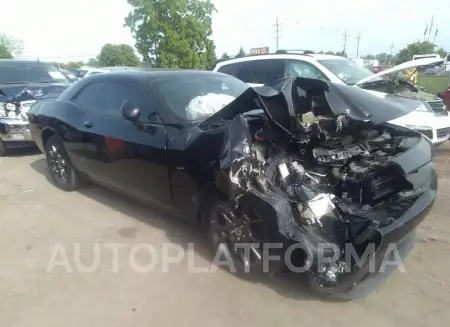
(241, 163)
(22, 83)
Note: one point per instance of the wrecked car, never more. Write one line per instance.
(245, 165)
(22, 83)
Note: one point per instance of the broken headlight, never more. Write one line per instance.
(7, 110)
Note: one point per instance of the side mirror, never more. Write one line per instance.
(130, 111)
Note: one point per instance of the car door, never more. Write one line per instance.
(116, 152)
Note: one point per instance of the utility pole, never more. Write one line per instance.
(392, 46)
(277, 31)
(358, 38)
(431, 27)
(345, 42)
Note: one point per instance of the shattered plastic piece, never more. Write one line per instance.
(321, 205)
(283, 170)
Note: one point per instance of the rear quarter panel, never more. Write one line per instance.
(61, 118)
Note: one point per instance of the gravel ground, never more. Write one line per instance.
(36, 219)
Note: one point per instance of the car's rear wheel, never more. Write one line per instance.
(234, 235)
(3, 149)
(62, 172)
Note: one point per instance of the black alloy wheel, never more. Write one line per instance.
(238, 234)
(62, 173)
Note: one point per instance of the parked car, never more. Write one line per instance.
(69, 75)
(108, 69)
(94, 71)
(238, 162)
(431, 117)
(22, 83)
(78, 72)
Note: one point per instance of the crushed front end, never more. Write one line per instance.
(14, 128)
(342, 195)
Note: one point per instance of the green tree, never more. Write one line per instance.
(442, 52)
(416, 48)
(117, 55)
(369, 57)
(241, 53)
(4, 52)
(225, 56)
(330, 53)
(92, 62)
(9, 45)
(173, 33)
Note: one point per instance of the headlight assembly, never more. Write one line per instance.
(419, 128)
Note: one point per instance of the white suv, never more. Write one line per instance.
(430, 117)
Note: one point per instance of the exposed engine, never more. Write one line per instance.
(332, 169)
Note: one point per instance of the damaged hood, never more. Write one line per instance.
(290, 97)
(409, 64)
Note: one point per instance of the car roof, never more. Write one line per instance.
(293, 56)
(153, 74)
(24, 61)
(319, 56)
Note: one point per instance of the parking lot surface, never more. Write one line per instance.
(42, 283)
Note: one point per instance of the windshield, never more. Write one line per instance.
(196, 97)
(29, 72)
(347, 70)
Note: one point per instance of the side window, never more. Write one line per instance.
(107, 97)
(231, 69)
(88, 96)
(256, 71)
(300, 68)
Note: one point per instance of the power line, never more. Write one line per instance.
(345, 42)
(277, 31)
(358, 38)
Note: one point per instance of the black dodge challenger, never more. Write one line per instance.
(311, 168)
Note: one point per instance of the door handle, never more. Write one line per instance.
(88, 124)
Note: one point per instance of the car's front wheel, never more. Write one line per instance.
(235, 235)
(61, 170)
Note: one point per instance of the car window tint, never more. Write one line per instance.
(231, 69)
(107, 97)
(256, 71)
(300, 68)
(88, 96)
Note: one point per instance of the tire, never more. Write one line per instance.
(221, 247)
(62, 173)
(3, 149)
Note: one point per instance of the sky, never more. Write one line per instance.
(64, 30)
